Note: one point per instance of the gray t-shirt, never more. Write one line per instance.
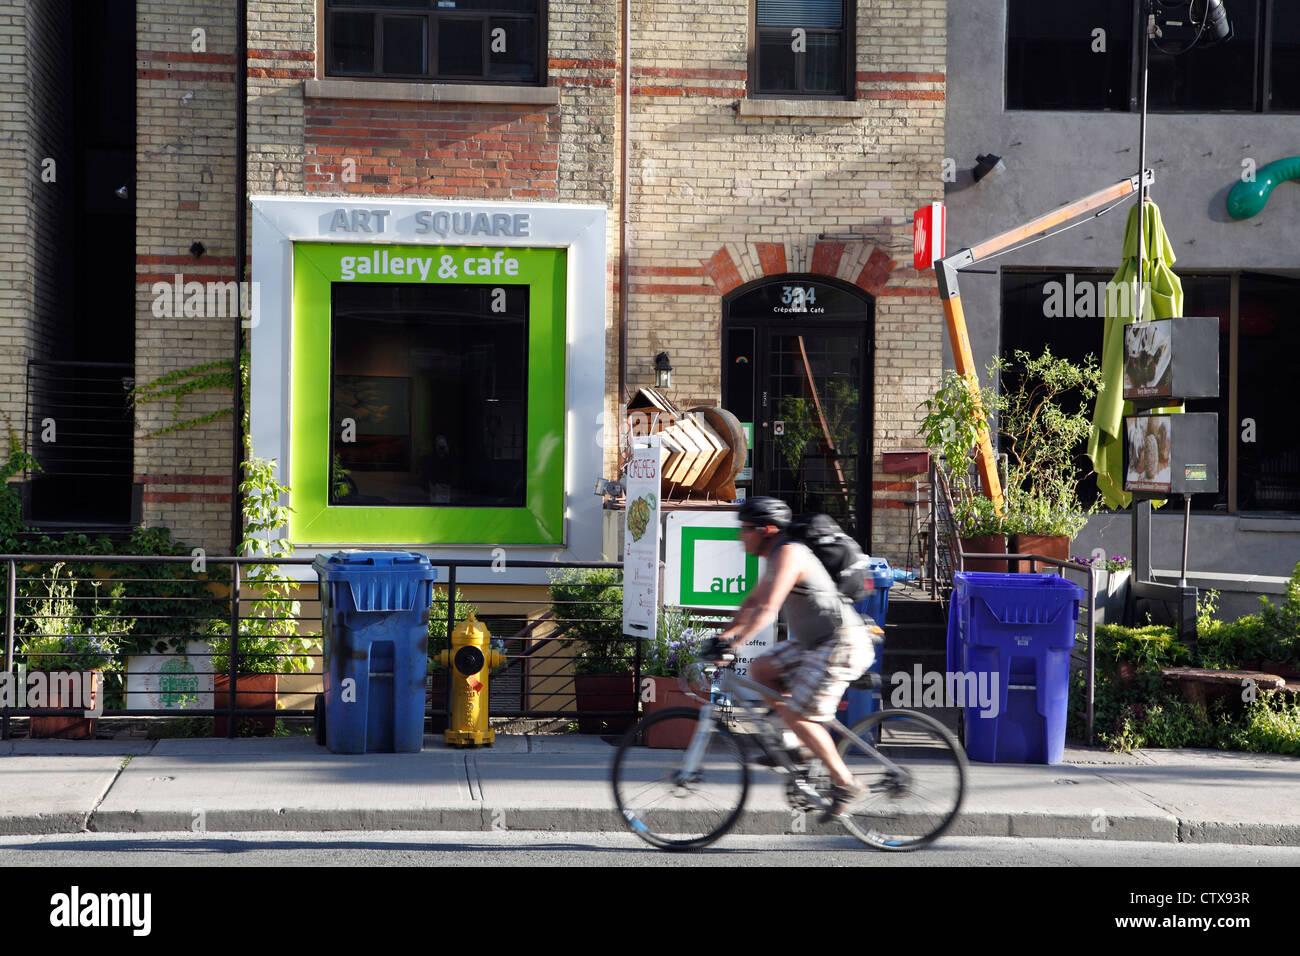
(815, 609)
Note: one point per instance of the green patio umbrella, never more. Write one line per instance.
(1164, 299)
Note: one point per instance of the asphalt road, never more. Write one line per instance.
(533, 848)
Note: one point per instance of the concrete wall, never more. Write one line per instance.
(1054, 157)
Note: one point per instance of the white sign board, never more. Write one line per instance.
(171, 681)
(705, 564)
(641, 540)
(746, 652)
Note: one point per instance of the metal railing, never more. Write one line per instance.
(55, 606)
(79, 430)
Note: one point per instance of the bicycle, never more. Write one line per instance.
(697, 760)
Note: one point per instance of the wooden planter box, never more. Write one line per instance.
(437, 684)
(68, 728)
(1049, 545)
(604, 692)
(988, 543)
(253, 692)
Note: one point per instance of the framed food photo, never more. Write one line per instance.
(1148, 360)
(381, 408)
(1147, 454)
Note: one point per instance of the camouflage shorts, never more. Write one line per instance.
(817, 677)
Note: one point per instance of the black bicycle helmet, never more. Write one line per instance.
(765, 511)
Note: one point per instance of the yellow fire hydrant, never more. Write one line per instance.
(470, 659)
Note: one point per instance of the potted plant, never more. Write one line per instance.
(1041, 430)
(72, 644)
(955, 418)
(671, 658)
(439, 639)
(588, 605)
(269, 643)
(1113, 575)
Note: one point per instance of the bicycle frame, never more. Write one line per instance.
(747, 693)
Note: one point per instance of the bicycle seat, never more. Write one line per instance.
(868, 681)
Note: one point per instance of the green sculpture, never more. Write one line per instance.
(1246, 199)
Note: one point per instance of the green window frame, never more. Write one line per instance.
(540, 520)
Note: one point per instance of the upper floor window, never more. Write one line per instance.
(1087, 57)
(802, 48)
(454, 41)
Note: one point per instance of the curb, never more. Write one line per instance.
(1158, 828)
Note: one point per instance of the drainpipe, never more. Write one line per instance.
(241, 254)
(623, 270)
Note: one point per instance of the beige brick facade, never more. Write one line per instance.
(185, 192)
(724, 189)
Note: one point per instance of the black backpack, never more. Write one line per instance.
(838, 553)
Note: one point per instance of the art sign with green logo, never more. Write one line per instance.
(705, 564)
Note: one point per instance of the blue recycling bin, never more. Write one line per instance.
(858, 704)
(1009, 643)
(375, 615)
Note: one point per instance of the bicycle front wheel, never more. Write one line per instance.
(663, 802)
(911, 799)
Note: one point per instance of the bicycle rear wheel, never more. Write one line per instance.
(911, 804)
(662, 804)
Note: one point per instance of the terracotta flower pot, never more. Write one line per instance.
(668, 693)
(61, 696)
(1049, 545)
(990, 544)
(252, 692)
(604, 692)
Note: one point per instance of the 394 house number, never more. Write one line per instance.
(797, 298)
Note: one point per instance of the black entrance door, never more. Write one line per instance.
(797, 364)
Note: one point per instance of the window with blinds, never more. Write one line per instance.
(801, 48)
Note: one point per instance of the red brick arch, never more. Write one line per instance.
(868, 267)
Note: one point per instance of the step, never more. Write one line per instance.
(915, 636)
(914, 612)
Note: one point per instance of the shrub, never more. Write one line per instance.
(589, 604)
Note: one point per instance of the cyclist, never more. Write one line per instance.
(829, 647)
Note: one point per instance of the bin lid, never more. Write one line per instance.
(363, 558)
(379, 580)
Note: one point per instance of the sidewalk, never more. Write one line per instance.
(537, 782)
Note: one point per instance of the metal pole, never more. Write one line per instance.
(11, 609)
(234, 648)
(1092, 651)
(931, 561)
(451, 626)
(1187, 520)
(1147, 25)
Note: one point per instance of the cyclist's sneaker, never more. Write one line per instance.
(841, 799)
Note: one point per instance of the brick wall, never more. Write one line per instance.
(15, 181)
(185, 189)
(720, 199)
(435, 149)
(717, 198)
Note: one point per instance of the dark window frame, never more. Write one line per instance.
(432, 15)
(1260, 79)
(848, 35)
(1231, 373)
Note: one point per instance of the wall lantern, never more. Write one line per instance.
(663, 371)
